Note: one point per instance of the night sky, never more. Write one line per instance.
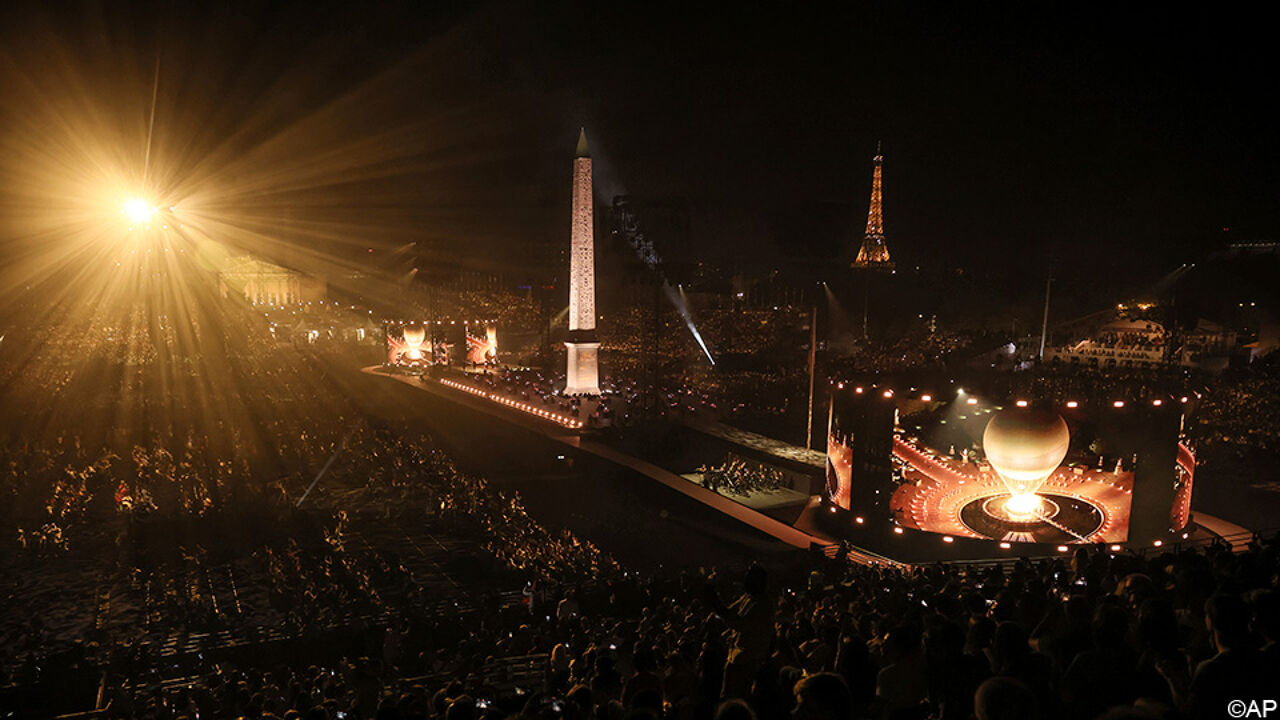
(1090, 142)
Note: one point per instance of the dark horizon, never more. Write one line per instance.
(1097, 147)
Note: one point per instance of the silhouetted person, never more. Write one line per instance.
(750, 617)
(822, 697)
(734, 710)
(952, 676)
(1266, 613)
(1102, 677)
(1005, 698)
(901, 686)
(1011, 656)
(1236, 672)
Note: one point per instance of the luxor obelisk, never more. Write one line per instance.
(582, 370)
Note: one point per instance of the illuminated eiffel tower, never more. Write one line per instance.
(874, 254)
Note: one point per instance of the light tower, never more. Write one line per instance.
(582, 360)
(874, 254)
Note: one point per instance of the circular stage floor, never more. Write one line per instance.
(946, 495)
(1062, 519)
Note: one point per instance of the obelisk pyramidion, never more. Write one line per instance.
(582, 371)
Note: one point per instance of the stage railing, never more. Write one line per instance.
(1237, 542)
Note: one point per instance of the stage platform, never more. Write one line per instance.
(791, 517)
(585, 443)
(916, 547)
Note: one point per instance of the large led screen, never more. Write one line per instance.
(417, 345)
(1014, 471)
(1017, 474)
(839, 468)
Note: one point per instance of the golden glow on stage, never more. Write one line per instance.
(1026, 505)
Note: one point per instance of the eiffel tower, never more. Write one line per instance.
(874, 254)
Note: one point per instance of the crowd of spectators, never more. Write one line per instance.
(1099, 634)
(508, 309)
(759, 354)
(157, 516)
(750, 331)
(484, 302)
(166, 510)
(1129, 340)
(1175, 634)
(1238, 419)
(913, 351)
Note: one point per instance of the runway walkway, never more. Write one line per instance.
(775, 528)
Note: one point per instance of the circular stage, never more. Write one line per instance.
(997, 507)
(1060, 519)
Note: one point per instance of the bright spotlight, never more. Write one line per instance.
(1023, 505)
(138, 211)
